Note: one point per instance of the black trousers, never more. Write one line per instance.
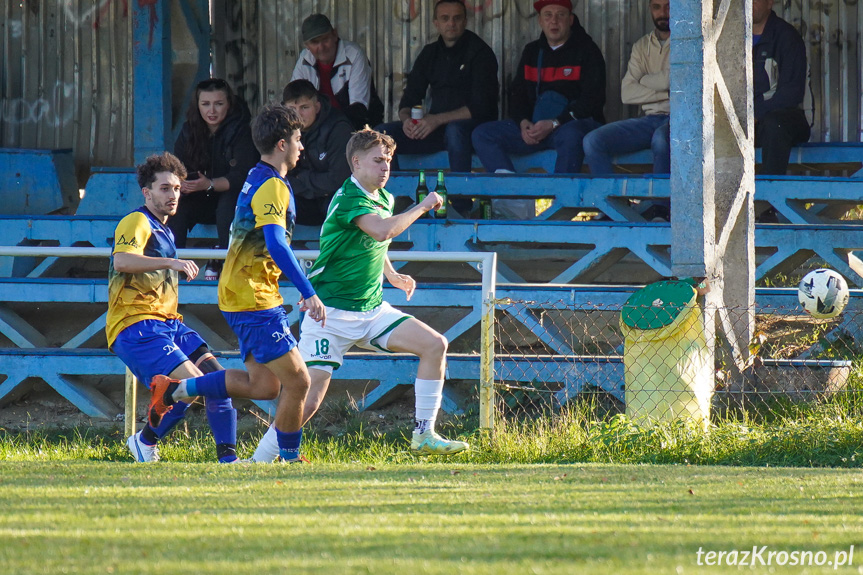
(776, 133)
(204, 208)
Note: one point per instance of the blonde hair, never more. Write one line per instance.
(366, 139)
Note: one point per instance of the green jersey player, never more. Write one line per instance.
(348, 278)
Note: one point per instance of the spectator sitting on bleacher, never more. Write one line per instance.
(780, 86)
(323, 166)
(462, 72)
(556, 97)
(215, 145)
(340, 70)
(645, 83)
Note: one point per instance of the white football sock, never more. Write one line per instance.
(429, 393)
(180, 392)
(268, 447)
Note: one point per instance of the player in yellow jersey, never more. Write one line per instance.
(143, 326)
(249, 298)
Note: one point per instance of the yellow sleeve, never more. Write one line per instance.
(132, 234)
(270, 203)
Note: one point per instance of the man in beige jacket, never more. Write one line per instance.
(645, 84)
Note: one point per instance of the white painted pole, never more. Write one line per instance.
(486, 362)
(131, 403)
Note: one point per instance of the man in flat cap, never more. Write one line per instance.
(339, 70)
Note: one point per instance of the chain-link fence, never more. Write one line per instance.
(656, 364)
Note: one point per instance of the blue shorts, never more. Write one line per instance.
(154, 347)
(265, 334)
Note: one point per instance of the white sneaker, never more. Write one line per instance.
(142, 452)
(213, 270)
(430, 443)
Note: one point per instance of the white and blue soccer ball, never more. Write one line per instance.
(823, 293)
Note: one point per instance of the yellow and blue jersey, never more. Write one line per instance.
(250, 276)
(147, 295)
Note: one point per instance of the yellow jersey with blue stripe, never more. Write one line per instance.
(147, 295)
(250, 276)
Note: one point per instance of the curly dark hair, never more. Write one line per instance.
(366, 139)
(157, 163)
(199, 142)
(274, 122)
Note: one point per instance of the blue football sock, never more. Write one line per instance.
(223, 421)
(169, 420)
(289, 444)
(211, 385)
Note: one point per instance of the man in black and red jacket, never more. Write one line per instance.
(555, 99)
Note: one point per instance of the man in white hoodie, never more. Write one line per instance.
(645, 84)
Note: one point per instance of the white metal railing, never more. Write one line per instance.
(486, 265)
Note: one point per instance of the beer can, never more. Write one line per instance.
(416, 113)
(485, 209)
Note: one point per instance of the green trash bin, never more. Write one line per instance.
(667, 368)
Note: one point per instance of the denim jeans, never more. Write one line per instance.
(631, 135)
(453, 137)
(495, 141)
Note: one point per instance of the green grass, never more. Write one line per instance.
(794, 435)
(573, 493)
(78, 516)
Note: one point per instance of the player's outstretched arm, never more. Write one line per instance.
(131, 263)
(402, 281)
(383, 229)
(277, 244)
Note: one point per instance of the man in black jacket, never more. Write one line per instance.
(556, 97)
(780, 87)
(462, 72)
(323, 166)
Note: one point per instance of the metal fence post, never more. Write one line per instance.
(131, 403)
(486, 362)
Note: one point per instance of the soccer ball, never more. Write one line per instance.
(823, 293)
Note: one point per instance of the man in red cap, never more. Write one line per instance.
(556, 97)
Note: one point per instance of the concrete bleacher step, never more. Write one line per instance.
(37, 181)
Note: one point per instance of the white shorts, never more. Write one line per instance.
(324, 348)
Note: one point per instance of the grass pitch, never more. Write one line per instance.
(78, 516)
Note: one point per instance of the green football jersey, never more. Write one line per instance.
(348, 274)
